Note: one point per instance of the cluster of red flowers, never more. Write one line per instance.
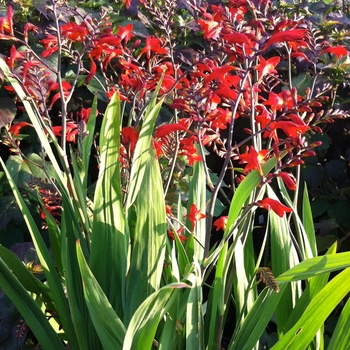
(51, 199)
(237, 81)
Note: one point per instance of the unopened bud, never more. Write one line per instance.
(136, 43)
(309, 118)
(308, 92)
(248, 131)
(315, 144)
(317, 129)
(308, 154)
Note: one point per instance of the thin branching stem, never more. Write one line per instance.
(59, 79)
(215, 191)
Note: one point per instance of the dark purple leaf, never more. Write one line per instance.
(339, 17)
(2, 76)
(324, 226)
(9, 211)
(7, 110)
(21, 249)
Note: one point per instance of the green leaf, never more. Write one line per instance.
(80, 315)
(47, 264)
(197, 196)
(194, 314)
(283, 257)
(313, 175)
(149, 237)
(216, 300)
(29, 309)
(55, 238)
(246, 336)
(143, 145)
(219, 206)
(80, 203)
(301, 82)
(319, 206)
(95, 87)
(341, 336)
(24, 276)
(302, 333)
(109, 237)
(314, 285)
(145, 209)
(244, 258)
(28, 169)
(140, 154)
(108, 325)
(316, 266)
(143, 324)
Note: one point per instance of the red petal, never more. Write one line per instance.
(15, 128)
(274, 205)
(336, 50)
(219, 73)
(221, 223)
(92, 70)
(237, 38)
(285, 36)
(167, 129)
(289, 180)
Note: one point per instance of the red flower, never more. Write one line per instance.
(129, 137)
(282, 100)
(72, 131)
(195, 215)
(14, 55)
(75, 32)
(210, 28)
(275, 205)
(225, 92)
(336, 50)
(15, 128)
(127, 3)
(267, 67)
(92, 70)
(179, 234)
(54, 86)
(6, 23)
(165, 130)
(168, 210)
(84, 114)
(263, 117)
(291, 129)
(107, 45)
(219, 73)
(237, 38)
(289, 180)
(154, 45)
(221, 223)
(29, 27)
(219, 118)
(285, 36)
(125, 32)
(253, 159)
(51, 199)
(50, 43)
(188, 149)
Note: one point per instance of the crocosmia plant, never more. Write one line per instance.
(155, 151)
